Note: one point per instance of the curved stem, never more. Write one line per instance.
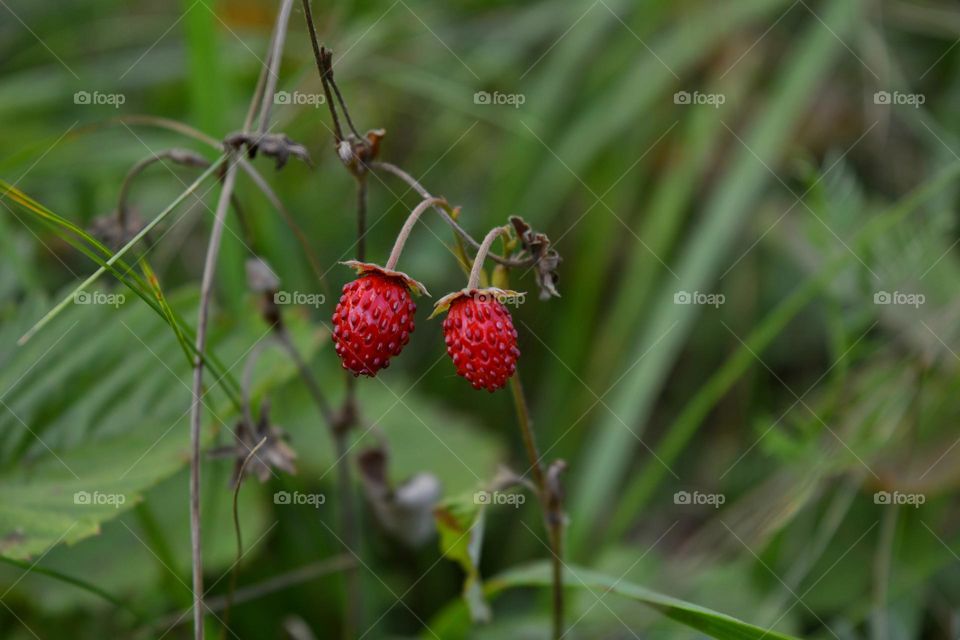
(236, 528)
(482, 252)
(251, 171)
(183, 157)
(408, 227)
(361, 217)
(444, 211)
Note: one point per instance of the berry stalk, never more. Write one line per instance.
(482, 252)
(408, 227)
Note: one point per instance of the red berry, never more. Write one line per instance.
(481, 340)
(373, 321)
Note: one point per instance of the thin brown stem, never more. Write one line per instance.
(444, 211)
(320, 55)
(408, 227)
(273, 70)
(482, 252)
(550, 504)
(206, 291)
(236, 528)
(206, 288)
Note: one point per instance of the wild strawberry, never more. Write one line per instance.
(374, 318)
(480, 337)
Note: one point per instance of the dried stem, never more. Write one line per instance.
(273, 68)
(408, 227)
(206, 289)
(236, 528)
(321, 55)
(482, 252)
(550, 502)
(348, 413)
(445, 210)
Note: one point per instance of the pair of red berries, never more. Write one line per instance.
(374, 319)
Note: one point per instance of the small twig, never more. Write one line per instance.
(236, 528)
(267, 587)
(320, 55)
(408, 227)
(444, 211)
(328, 74)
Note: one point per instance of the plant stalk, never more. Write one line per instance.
(206, 289)
(550, 503)
(408, 227)
(482, 252)
(444, 210)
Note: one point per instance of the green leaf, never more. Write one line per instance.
(460, 522)
(95, 413)
(713, 623)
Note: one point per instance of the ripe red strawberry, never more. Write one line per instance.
(480, 337)
(374, 318)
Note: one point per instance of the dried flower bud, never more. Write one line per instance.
(406, 512)
(260, 277)
(546, 259)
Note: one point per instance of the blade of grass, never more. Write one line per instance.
(678, 435)
(115, 257)
(631, 400)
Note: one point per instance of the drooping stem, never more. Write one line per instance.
(408, 227)
(181, 156)
(482, 252)
(361, 217)
(550, 502)
(444, 210)
(236, 527)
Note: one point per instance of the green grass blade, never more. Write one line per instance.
(631, 400)
(123, 250)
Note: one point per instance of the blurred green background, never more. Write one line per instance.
(752, 370)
